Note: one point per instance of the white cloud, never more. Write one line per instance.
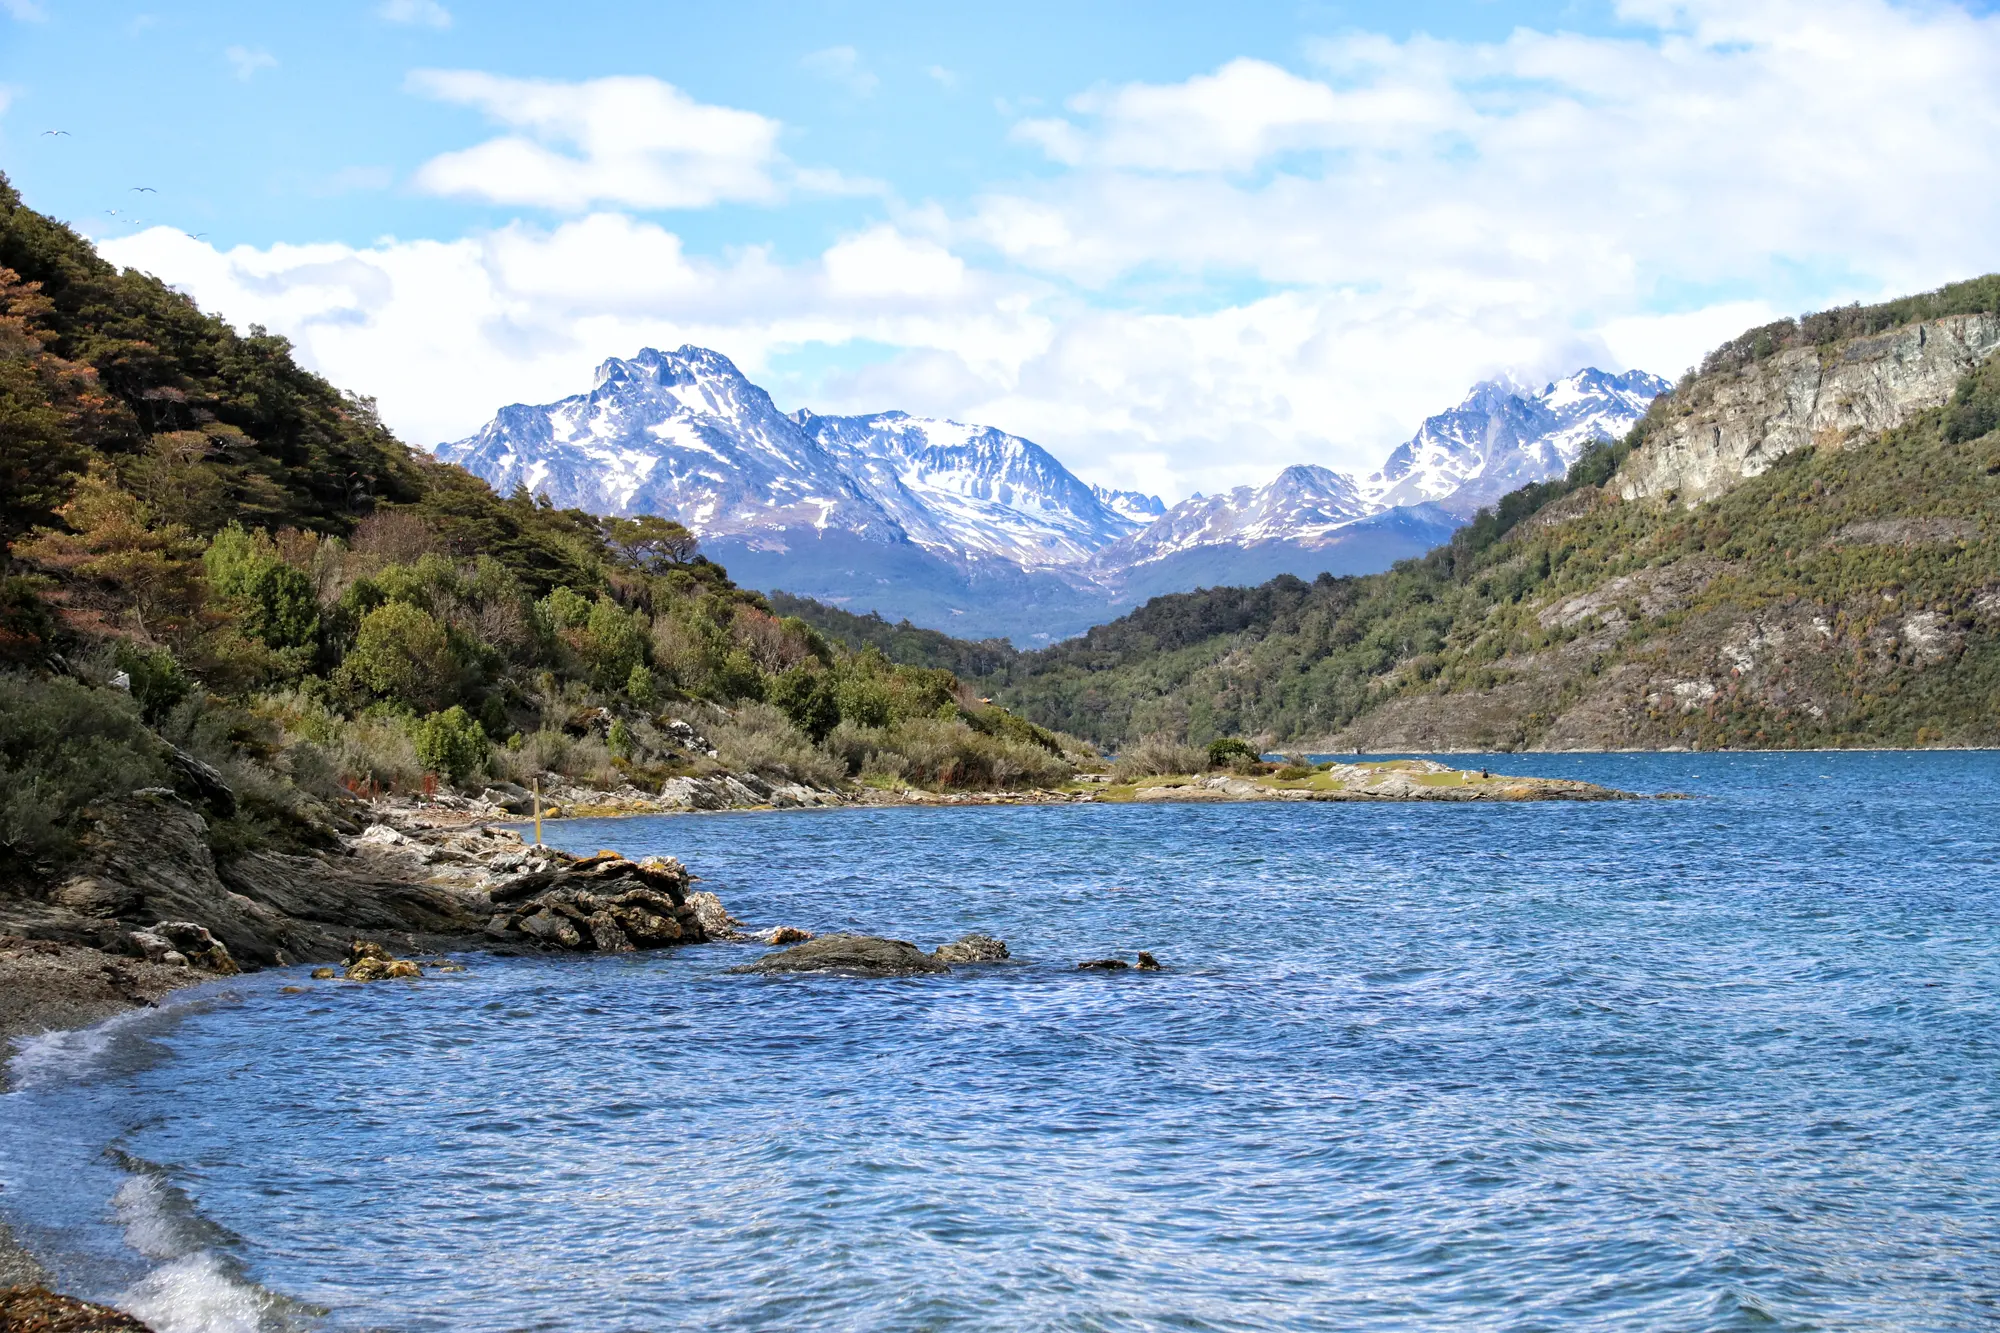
(946, 78)
(633, 141)
(6, 98)
(1249, 268)
(27, 11)
(842, 65)
(417, 13)
(244, 62)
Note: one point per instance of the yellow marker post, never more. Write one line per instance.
(538, 812)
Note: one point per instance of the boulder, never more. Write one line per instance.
(787, 935)
(860, 955)
(972, 949)
(1148, 963)
(1104, 965)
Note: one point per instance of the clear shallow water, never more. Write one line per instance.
(1726, 1063)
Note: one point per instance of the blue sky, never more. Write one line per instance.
(1182, 245)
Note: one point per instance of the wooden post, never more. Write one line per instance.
(538, 812)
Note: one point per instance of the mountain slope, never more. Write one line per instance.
(1801, 582)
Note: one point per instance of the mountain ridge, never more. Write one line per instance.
(980, 531)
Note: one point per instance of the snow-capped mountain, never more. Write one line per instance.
(1505, 435)
(681, 434)
(684, 434)
(971, 490)
(976, 531)
(1304, 504)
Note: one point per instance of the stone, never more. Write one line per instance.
(972, 949)
(862, 955)
(1148, 963)
(36, 1309)
(324, 974)
(788, 935)
(1104, 965)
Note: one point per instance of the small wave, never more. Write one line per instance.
(196, 1287)
(198, 1294)
(64, 1057)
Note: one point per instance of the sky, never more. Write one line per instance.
(1180, 245)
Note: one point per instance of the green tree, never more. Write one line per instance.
(808, 699)
(650, 542)
(402, 654)
(612, 643)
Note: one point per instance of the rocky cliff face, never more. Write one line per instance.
(1727, 428)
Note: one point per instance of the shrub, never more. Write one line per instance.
(157, 681)
(1157, 756)
(761, 739)
(62, 746)
(451, 743)
(1228, 751)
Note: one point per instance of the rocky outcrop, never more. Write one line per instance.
(972, 949)
(1392, 780)
(602, 903)
(147, 887)
(859, 955)
(1729, 427)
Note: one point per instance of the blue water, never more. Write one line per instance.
(1711, 1064)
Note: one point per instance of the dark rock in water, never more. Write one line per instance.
(865, 955)
(788, 935)
(39, 1310)
(324, 974)
(972, 949)
(368, 961)
(607, 904)
(1148, 963)
(1104, 965)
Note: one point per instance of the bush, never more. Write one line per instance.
(451, 743)
(1158, 756)
(808, 699)
(62, 746)
(945, 752)
(1227, 752)
(761, 739)
(157, 681)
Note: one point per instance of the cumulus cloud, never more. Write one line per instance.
(244, 61)
(631, 141)
(415, 13)
(1346, 246)
(444, 332)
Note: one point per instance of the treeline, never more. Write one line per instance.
(213, 555)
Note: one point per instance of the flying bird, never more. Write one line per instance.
(65, 133)
(194, 235)
(144, 189)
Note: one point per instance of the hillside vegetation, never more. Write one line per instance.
(214, 557)
(1847, 594)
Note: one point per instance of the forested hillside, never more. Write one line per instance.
(213, 556)
(1796, 547)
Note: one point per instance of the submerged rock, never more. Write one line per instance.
(1148, 963)
(368, 961)
(1104, 965)
(972, 949)
(865, 955)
